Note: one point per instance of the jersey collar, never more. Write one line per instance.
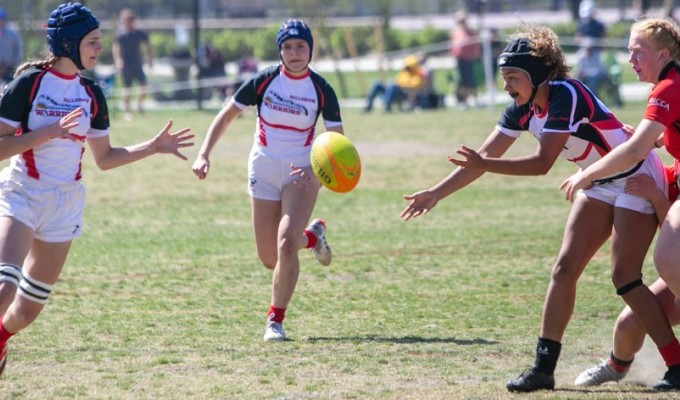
(666, 69)
(289, 76)
(60, 75)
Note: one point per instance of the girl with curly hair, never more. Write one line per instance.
(568, 121)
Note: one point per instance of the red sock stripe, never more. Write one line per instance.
(671, 353)
(311, 239)
(4, 335)
(616, 367)
(276, 314)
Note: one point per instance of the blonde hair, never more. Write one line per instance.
(40, 64)
(545, 45)
(663, 32)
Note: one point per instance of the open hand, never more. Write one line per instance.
(171, 143)
(420, 204)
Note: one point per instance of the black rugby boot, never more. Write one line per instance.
(670, 381)
(532, 380)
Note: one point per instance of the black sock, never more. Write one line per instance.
(547, 353)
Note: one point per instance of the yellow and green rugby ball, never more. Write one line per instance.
(335, 162)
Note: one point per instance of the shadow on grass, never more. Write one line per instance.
(401, 340)
(612, 389)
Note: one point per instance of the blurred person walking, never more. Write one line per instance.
(129, 60)
(466, 49)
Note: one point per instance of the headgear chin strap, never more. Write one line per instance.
(66, 28)
(517, 54)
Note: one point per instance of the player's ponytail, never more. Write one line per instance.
(40, 64)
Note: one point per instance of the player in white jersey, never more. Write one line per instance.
(289, 98)
(568, 121)
(47, 113)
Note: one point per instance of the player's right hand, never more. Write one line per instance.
(61, 129)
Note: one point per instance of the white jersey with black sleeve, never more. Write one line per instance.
(593, 132)
(288, 108)
(40, 97)
(572, 108)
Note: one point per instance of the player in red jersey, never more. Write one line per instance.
(654, 48)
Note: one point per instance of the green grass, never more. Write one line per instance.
(163, 297)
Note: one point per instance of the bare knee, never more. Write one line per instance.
(621, 277)
(627, 324)
(565, 273)
(287, 246)
(267, 260)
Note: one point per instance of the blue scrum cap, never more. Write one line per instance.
(517, 54)
(66, 27)
(295, 29)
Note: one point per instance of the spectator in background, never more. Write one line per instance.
(407, 86)
(11, 49)
(211, 65)
(127, 55)
(247, 67)
(467, 51)
(590, 27)
(497, 46)
(589, 68)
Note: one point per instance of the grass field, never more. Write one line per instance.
(163, 296)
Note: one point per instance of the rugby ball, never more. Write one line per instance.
(335, 162)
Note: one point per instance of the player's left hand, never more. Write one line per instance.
(472, 159)
(171, 142)
(573, 184)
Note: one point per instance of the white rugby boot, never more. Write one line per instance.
(274, 332)
(322, 250)
(599, 374)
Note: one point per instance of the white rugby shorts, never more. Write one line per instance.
(54, 213)
(614, 193)
(268, 174)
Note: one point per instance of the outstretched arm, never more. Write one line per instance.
(422, 202)
(164, 142)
